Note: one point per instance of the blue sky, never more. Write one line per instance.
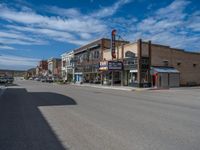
(31, 30)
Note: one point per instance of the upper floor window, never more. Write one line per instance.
(96, 54)
(91, 57)
(81, 58)
(64, 63)
(178, 64)
(166, 62)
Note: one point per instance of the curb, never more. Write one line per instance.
(154, 89)
(114, 88)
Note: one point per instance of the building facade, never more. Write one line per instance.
(87, 59)
(54, 67)
(67, 66)
(146, 64)
(30, 73)
(42, 68)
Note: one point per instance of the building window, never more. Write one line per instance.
(91, 55)
(64, 63)
(97, 54)
(166, 62)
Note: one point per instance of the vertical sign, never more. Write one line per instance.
(113, 54)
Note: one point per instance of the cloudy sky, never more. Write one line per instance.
(31, 30)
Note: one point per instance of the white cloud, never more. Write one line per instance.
(194, 21)
(109, 11)
(70, 26)
(70, 12)
(4, 47)
(170, 25)
(17, 62)
(19, 38)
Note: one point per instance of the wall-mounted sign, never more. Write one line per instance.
(115, 65)
(103, 65)
(129, 54)
(113, 34)
(110, 65)
(134, 71)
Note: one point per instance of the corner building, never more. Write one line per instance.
(87, 59)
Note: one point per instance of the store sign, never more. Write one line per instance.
(134, 71)
(103, 65)
(129, 54)
(113, 34)
(115, 65)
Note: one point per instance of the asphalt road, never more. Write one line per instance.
(43, 116)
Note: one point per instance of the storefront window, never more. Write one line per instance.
(132, 78)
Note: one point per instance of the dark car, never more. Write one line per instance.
(10, 80)
(49, 79)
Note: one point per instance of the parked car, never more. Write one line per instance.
(10, 80)
(49, 79)
(37, 79)
(43, 80)
(3, 80)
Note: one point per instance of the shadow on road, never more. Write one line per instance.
(8, 84)
(22, 126)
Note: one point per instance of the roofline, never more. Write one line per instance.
(66, 53)
(91, 42)
(100, 39)
(53, 58)
(173, 48)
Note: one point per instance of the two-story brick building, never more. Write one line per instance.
(87, 59)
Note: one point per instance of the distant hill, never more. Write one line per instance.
(14, 73)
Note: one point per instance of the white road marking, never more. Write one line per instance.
(2, 91)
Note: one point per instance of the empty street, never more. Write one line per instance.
(47, 116)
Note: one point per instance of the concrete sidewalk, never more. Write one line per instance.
(125, 88)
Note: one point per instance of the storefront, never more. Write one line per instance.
(111, 72)
(130, 71)
(79, 77)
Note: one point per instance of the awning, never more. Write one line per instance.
(163, 70)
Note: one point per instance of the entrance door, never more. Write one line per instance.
(117, 77)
